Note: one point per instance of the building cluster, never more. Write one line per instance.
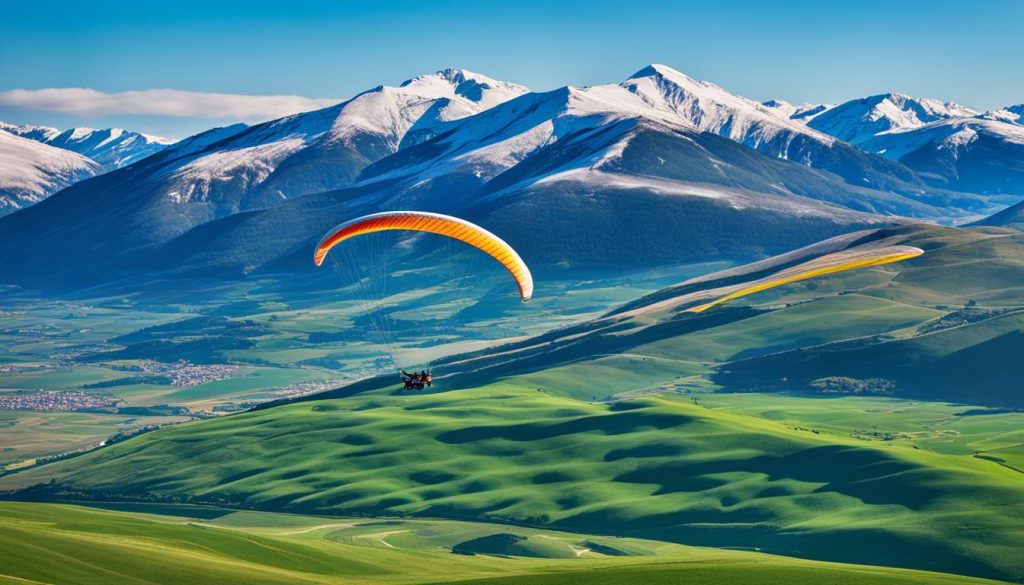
(54, 401)
(185, 373)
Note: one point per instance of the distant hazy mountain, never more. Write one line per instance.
(1012, 217)
(112, 148)
(30, 171)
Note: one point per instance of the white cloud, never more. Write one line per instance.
(85, 102)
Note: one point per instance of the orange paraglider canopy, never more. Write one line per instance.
(434, 223)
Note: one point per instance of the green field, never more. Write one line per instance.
(25, 436)
(73, 545)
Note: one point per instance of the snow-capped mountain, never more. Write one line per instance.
(669, 168)
(973, 154)
(112, 148)
(571, 176)
(1017, 111)
(324, 149)
(709, 108)
(601, 120)
(859, 120)
(1009, 114)
(37, 133)
(30, 171)
(947, 144)
(801, 113)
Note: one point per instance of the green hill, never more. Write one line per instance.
(45, 543)
(653, 468)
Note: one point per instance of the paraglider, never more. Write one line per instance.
(416, 381)
(432, 223)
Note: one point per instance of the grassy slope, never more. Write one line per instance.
(655, 468)
(45, 543)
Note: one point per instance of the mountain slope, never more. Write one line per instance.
(1012, 217)
(30, 171)
(801, 113)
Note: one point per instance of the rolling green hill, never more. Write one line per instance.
(651, 468)
(80, 546)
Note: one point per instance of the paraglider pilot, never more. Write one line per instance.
(414, 381)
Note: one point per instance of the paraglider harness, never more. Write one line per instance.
(416, 381)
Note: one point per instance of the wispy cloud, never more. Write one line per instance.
(77, 101)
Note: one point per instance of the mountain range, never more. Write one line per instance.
(659, 167)
(112, 148)
(31, 172)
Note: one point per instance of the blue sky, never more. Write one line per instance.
(799, 50)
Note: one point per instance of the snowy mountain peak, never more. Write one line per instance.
(659, 70)
(1009, 114)
(37, 133)
(467, 84)
(420, 104)
(857, 121)
(710, 108)
(111, 147)
(802, 113)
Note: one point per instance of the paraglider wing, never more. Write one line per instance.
(434, 223)
(827, 264)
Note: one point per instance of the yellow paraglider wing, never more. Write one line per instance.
(434, 223)
(827, 264)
